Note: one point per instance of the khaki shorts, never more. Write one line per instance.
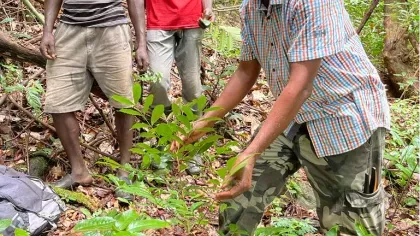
(84, 55)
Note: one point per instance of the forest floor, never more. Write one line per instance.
(23, 138)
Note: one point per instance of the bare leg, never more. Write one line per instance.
(68, 132)
(123, 123)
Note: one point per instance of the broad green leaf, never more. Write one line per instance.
(205, 129)
(212, 109)
(139, 126)
(223, 207)
(137, 92)
(410, 201)
(211, 119)
(130, 111)
(201, 102)
(184, 120)
(125, 218)
(157, 113)
(175, 109)
(204, 147)
(190, 115)
(147, 103)
(96, 224)
(333, 231)
(145, 161)
(141, 225)
(361, 230)
(196, 205)
(21, 232)
(122, 100)
(222, 172)
(4, 224)
(86, 212)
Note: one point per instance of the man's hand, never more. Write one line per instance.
(209, 15)
(47, 46)
(142, 58)
(195, 135)
(241, 180)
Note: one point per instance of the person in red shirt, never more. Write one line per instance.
(173, 33)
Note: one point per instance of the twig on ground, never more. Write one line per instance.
(108, 123)
(21, 132)
(53, 129)
(367, 15)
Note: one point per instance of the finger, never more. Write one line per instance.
(139, 61)
(51, 49)
(145, 64)
(231, 193)
(44, 52)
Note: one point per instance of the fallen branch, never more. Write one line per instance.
(107, 122)
(32, 9)
(367, 15)
(9, 48)
(53, 129)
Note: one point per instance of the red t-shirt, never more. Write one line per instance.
(173, 14)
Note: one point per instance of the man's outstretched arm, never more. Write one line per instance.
(137, 16)
(47, 47)
(283, 112)
(238, 86)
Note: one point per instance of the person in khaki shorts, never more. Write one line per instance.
(91, 42)
(174, 34)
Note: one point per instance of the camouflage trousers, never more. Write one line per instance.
(338, 183)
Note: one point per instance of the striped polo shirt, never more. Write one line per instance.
(93, 13)
(348, 101)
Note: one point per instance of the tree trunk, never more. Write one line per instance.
(399, 59)
(11, 49)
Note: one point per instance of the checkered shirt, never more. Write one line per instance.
(348, 102)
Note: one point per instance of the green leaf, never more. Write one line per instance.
(139, 126)
(125, 218)
(147, 103)
(361, 230)
(86, 212)
(130, 111)
(196, 205)
(333, 231)
(211, 119)
(141, 225)
(410, 202)
(175, 109)
(157, 113)
(190, 115)
(201, 102)
(122, 100)
(96, 224)
(137, 92)
(223, 207)
(4, 224)
(184, 120)
(21, 232)
(213, 108)
(6, 20)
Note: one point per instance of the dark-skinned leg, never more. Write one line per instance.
(68, 132)
(123, 123)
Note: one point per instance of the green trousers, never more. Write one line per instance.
(338, 182)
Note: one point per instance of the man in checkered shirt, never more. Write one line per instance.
(330, 116)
